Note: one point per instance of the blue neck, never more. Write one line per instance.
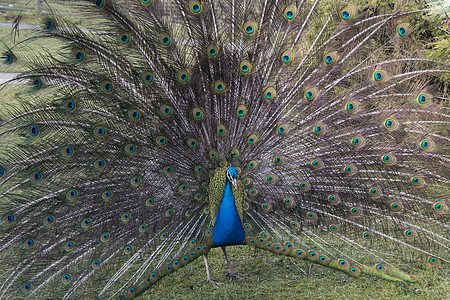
(228, 229)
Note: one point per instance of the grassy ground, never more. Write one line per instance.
(270, 276)
(32, 13)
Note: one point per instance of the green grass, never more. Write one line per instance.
(32, 14)
(270, 276)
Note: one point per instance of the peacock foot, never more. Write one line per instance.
(214, 284)
(233, 275)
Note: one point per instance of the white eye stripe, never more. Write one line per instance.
(229, 176)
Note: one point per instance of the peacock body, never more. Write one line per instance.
(307, 129)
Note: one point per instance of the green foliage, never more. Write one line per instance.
(433, 29)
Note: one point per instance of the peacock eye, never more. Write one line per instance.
(79, 56)
(245, 67)
(99, 3)
(192, 143)
(352, 107)
(107, 86)
(127, 249)
(36, 83)
(252, 139)
(183, 76)
(198, 113)
(402, 29)
(426, 145)
(287, 56)
(66, 278)
(145, 2)
(8, 58)
(49, 25)
(26, 287)
(290, 12)
(250, 28)
(330, 58)
(347, 13)
(270, 93)
(195, 7)
(380, 75)
(147, 77)
(33, 130)
(124, 39)
(424, 99)
(165, 40)
(320, 128)
(219, 86)
(212, 50)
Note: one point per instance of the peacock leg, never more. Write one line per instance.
(208, 274)
(231, 272)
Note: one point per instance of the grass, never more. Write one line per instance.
(32, 14)
(271, 276)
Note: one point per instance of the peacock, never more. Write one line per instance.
(310, 129)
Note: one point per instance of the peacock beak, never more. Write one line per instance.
(234, 182)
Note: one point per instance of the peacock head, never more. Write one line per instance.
(232, 175)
